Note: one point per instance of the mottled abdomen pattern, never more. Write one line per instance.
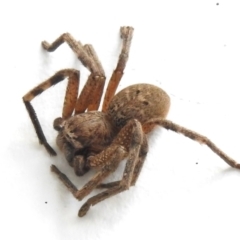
(140, 101)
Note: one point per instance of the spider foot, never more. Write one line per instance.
(52, 47)
(126, 32)
(237, 165)
(64, 179)
(46, 45)
(55, 169)
(50, 149)
(84, 209)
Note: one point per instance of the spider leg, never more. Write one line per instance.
(128, 143)
(69, 102)
(136, 174)
(131, 171)
(106, 170)
(169, 125)
(107, 161)
(126, 35)
(137, 169)
(93, 55)
(88, 57)
(91, 94)
(76, 46)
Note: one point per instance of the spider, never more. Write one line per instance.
(93, 139)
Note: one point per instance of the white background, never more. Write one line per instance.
(189, 48)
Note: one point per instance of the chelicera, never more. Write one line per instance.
(93, 139)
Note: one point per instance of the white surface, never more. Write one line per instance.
(189, 48)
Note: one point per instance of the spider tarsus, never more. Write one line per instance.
(46, 45)
(49, 149)
(55, 169)
(237, 165)
(126, 32)
(84, 209)
(71, 187)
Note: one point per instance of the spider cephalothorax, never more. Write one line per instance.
(102, 139)
(79, 138)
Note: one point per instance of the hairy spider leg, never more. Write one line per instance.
(137, 169)
(126, 34)
(130, 143)
(169, 125)
(96, 80)
(69, 101)
(96, 91)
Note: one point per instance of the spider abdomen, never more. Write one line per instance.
(140, 101)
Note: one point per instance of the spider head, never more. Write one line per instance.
(82, 136)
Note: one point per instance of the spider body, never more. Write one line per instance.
(90, 138)
(79, 135)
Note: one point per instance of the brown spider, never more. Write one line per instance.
(102, 139)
